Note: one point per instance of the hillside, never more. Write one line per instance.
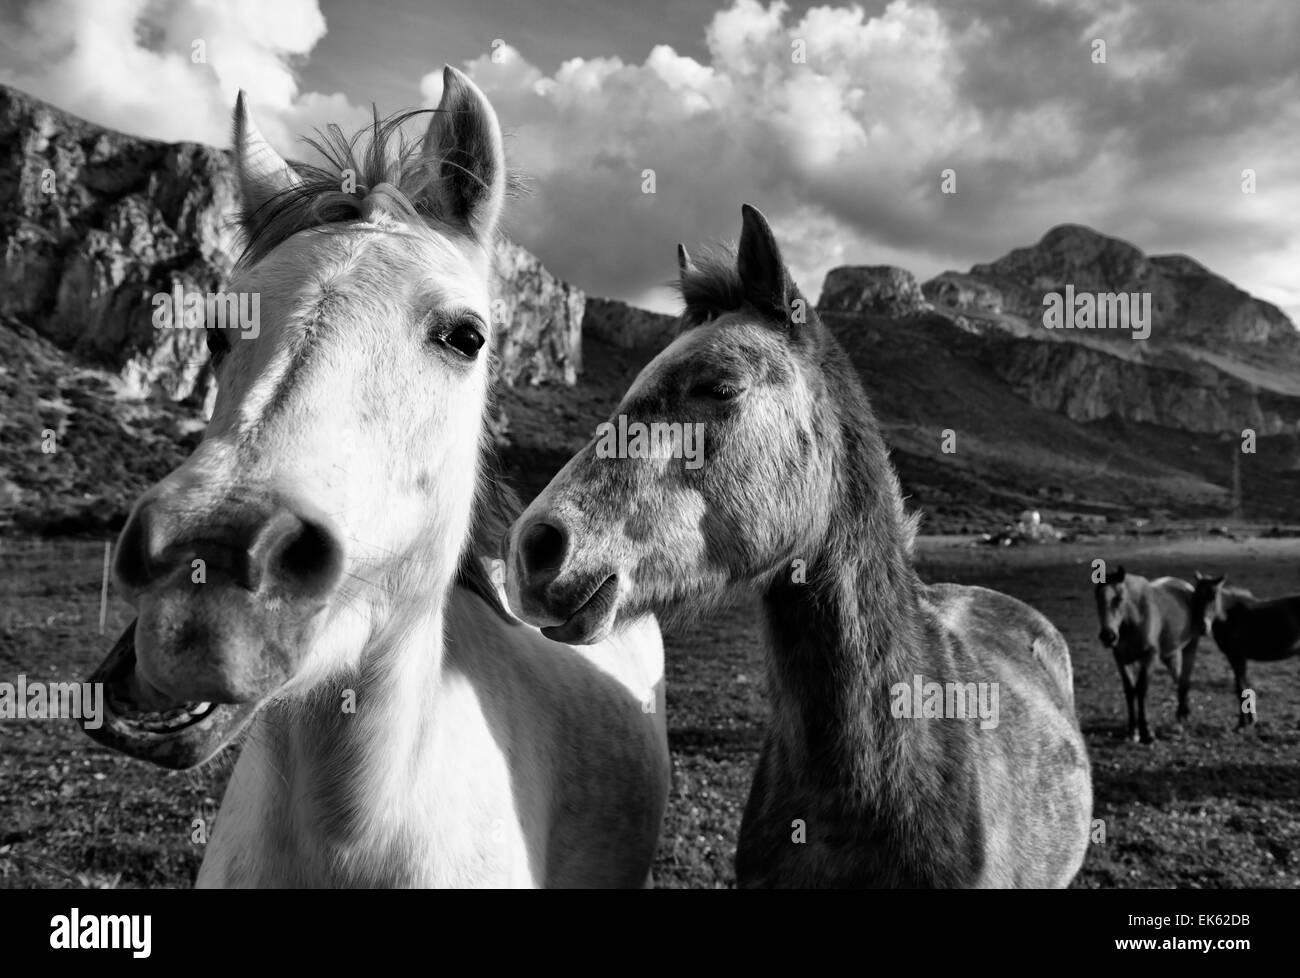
(925, 374)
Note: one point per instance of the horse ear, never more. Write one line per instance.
(262, 172)
(464, 151)
(684, 264)
(758, 260)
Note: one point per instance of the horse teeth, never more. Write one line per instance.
(161, 722)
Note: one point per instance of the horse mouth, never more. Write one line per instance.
(172, 734)
(593, 619)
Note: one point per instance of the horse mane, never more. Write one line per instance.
(711, 285)
(496, 507)
(388, 168)
(391, 172)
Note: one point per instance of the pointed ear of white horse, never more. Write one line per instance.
(463, 147)
(263, 173)
(762, 270)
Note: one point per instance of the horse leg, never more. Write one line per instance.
(1244, 717)
(1173, 663)
(1130, 698)
(1185, 680)
(1140, 688)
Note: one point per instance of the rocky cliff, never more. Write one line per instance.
(1172, 390)
(93, 223)
(880, 289)
(542, 339)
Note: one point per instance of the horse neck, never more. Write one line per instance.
(1137, 591)
(357, 735)
(840, 641)
(1235, 597)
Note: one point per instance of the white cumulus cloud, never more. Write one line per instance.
(171, 71)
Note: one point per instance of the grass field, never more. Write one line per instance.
(1202, 807)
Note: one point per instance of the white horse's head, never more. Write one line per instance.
(337, 476)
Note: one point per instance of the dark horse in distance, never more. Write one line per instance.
(1246, 628)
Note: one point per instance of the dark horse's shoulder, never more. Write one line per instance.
(997, 624)
(1263, 630)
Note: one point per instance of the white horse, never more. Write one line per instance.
(311, 572)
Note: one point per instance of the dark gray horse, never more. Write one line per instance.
(1246, 628)
(793, 498)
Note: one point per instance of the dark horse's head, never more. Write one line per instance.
(1112, 606)
(1206, 606)
(640, 520)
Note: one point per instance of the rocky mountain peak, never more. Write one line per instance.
(1192, 306)
(1070, 253)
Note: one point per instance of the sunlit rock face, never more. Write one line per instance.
(880, 289)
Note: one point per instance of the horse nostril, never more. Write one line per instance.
(1107, 636)
(134, 563)
(542, 548)
(299, 554)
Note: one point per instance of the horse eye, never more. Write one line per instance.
(465, 338)
(714, 391)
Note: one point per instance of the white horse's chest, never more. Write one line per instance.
(454, 815)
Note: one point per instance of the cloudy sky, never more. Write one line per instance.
(843, 148)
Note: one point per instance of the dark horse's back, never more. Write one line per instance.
(1263, 631)
(1036, 782)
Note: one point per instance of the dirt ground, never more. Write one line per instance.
(1202, 807)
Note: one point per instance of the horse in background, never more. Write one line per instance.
(859, 783)
(1140, 621)
(1246, 628)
